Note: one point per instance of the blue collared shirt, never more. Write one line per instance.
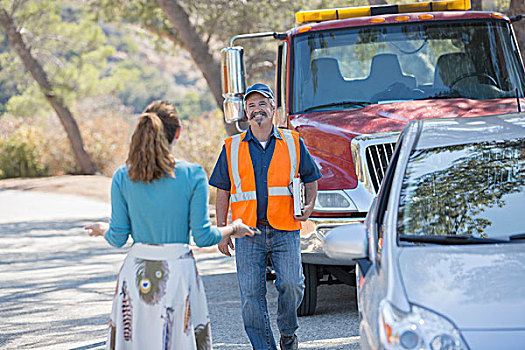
(261, 158)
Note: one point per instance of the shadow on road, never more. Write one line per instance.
(57, 283)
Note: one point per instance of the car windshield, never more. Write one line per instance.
(354, 67)
(474, 190)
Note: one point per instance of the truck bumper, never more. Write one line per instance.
(312, 235)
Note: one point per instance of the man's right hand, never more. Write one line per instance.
(225, 244)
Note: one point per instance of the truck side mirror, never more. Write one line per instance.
(347, 242)
(233, 83)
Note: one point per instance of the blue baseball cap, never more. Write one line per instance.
(263, 89)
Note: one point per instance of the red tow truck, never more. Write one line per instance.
(349, 80)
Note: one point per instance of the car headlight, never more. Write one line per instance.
(336, 200)
(418, 329)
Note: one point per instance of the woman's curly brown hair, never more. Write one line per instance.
(149, 155)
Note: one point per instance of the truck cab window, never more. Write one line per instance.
(351, 68)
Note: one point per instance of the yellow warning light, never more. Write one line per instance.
(401, 18)
(497, 15)
(304, 29)
(366, 11)
(426, 16)
(378, 20)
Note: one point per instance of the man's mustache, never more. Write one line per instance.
(261, 113)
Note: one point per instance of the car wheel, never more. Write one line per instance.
(309, 302)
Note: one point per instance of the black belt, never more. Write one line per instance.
(263, 222)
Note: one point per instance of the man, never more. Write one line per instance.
(254, 171)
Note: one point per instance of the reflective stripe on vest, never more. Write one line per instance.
(291, 150)
(235, 163)
(279, 191)
(272, 191)
(243, 196)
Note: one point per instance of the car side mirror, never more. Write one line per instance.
(347, 242)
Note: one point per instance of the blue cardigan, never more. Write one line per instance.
(163, 211)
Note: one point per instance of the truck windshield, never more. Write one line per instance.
(465, 191)
(353, 67)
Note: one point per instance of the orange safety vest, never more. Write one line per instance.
(284, 166)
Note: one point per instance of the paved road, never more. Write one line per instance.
(56, 283)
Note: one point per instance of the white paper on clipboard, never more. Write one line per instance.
(298, 196)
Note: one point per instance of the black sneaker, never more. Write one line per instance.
(289, 343)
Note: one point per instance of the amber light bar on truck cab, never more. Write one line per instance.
(366, 11)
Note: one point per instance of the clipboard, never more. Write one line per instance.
(298, 196)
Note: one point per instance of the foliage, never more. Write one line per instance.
(38, 147)
(20, 154)
(84, 58)
(105, 129)
(498, 5)
(35, 147)
(73, 51)
(192, 104)
(201, 140)
(150, 84)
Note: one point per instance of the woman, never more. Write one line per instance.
(159, 302)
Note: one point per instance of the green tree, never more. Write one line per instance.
(61, 58)
(23, 51)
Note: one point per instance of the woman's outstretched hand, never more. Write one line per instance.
(97, 229)
(240, 229)
(236, 230)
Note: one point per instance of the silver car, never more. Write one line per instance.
(441, 254)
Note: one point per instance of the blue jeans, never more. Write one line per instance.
(284, 250)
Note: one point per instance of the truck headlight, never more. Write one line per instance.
(418, 329)
(333, 201)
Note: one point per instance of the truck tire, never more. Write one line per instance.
(309, 302)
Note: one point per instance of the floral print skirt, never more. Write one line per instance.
(159, 301)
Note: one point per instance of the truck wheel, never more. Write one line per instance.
(309, 302)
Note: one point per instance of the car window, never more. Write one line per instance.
(473, 190)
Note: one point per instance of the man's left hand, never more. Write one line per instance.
(305, 213)
(310, 189)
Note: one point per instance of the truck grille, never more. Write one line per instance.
(377, 159)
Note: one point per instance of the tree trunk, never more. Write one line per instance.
(66, 118)
(198, 49)
(517, 7)
(193, 43)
